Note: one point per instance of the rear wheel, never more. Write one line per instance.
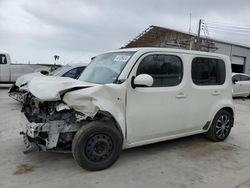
(97, 145)
(221, 126)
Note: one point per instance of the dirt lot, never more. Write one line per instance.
(189, 162)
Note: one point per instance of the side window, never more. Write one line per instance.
(79, 71)
(208, 71)
(236, 78)
(166, 70)
(244, 78)
(3, 59)
(71, 73)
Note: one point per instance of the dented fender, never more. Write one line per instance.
(109, 98)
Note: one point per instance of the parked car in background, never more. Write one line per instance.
(241, 85)
(127, 98)
(18, 89)
(71, 71)
(9, 72)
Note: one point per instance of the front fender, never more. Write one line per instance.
(108, 98)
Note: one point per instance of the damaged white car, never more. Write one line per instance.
(127, 98)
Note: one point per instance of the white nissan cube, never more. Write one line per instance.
(127, 98)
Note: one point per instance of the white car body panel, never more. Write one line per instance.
(49, 88)
(145, 115)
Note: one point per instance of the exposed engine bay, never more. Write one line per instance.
(50, 124)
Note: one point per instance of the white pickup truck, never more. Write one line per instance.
(9, 72)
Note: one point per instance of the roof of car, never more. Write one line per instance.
(74, 65)
(149, 49)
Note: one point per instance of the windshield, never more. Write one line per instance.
(60, 71)
(106, 68)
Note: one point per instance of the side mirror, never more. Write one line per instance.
(142, 80)
(234, 81)
(44, 72)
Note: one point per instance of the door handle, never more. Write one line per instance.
(216, 93)
(180, 95)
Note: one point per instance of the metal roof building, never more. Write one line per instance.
(155, 36)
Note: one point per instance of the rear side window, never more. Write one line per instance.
(166, 70)
(208, 71)
(244, 78)
(3, 59)
(74, 73)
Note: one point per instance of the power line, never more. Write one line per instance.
(229, 31)
(227, 28)
(227, 24)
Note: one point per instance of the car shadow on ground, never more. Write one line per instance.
(191, 148)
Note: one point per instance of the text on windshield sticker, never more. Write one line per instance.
(121, 58)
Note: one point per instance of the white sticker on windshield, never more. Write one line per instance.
(122, 58)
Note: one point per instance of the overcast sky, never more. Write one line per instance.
(32, 30)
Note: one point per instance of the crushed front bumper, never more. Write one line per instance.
(29, 145)
(43, 136)
(30, 135)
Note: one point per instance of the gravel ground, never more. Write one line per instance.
(187, 162)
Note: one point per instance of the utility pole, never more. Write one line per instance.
(199, 33)
(190, 22)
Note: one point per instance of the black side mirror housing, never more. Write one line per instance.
(44, 72)
(234, 81)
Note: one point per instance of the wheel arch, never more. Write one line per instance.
(227, 108)
(107, 116)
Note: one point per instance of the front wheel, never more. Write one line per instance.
(97, 145)
(221, 126)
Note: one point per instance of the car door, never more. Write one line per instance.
(237, 89)
(4, 69)
(158, 111)
(207, 90)
(245, 84)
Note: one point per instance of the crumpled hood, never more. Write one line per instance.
(26, 78)
(50, 88)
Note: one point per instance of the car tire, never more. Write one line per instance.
(221, 126)
(97, 145)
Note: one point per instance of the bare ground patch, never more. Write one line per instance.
(24, 169)
(198, 150)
